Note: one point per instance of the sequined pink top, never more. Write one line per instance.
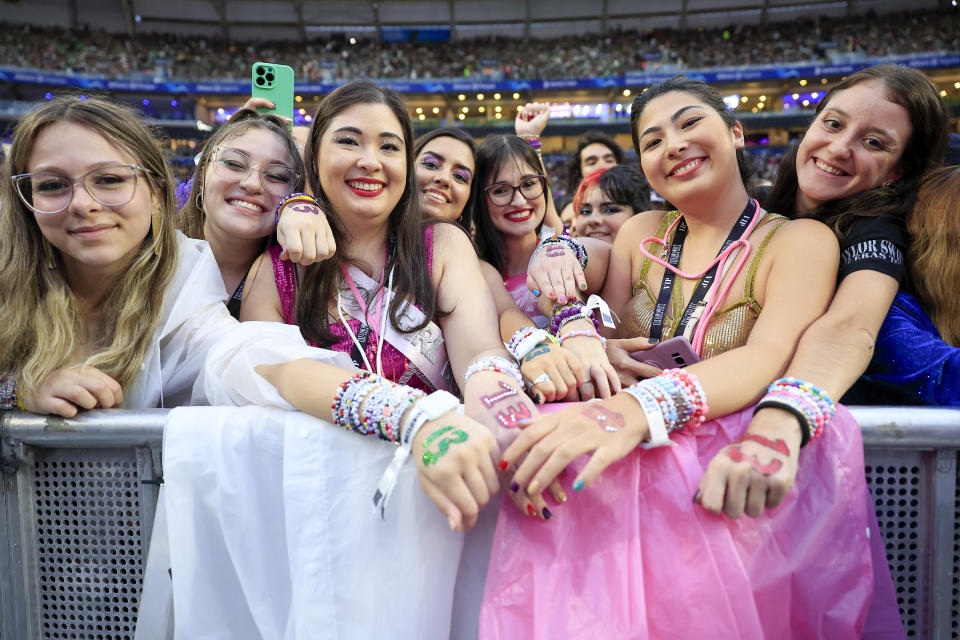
(395, 365)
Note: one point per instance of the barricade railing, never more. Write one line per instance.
(78, 496)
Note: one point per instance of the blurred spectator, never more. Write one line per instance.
(614, 53)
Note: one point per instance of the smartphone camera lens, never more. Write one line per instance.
(260, 71)
(259, 82)
(270, 77)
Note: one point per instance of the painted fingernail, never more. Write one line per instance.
(561, 497)
(531, 510)
(653, 341)
(546, 513)
(696, 497)
(514, 487)
(562, 299)
(551, 295)
(583, 285)
(503, 465)
(536, 293)
(578, 485)
(533, 487)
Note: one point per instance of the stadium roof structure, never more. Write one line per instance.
(247, 20)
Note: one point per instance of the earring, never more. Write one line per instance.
(197, 200)
(156, 224)
(48, 254)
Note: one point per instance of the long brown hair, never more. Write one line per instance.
(924, 150)
(934, 263)
(320, 283)
(41, 322)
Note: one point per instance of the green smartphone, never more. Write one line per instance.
(275, 83)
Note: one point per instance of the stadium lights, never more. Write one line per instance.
(796, 96)
(823, 81)
(497, 108)
(754, 109)
(220, 110)
(422, 117)
(482, 109)
(496, 96)
(302, 112)
(626, 92)
(353, 40)
(956, 85)
(298, 98)
(498, 115)
(465, 109)
(419, 109)
(461, 97)
(814, 95)
(479, 96)
(516, 96)
(764, 98)
(805, 103)
(803, 83)
(744, 99)
(436, 109)
(943, 93)
(461, 116)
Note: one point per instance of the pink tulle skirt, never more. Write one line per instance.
(632, 557)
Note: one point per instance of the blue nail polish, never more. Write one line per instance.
(514, 487)
(546, 514)
(578, 485)
(653, 341)
(536, 293)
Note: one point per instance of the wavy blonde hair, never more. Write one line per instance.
(40, 319)
(934, 264)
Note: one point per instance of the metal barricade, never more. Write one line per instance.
(77, 499)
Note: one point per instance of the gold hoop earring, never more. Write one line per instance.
(156, 224)
(48, 254)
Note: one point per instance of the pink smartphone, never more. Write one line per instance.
(669, 354)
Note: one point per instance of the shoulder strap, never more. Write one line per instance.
(755, 261)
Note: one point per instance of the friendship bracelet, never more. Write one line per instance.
(8, 394)
(494, 363)
(654, 416)
(679, 397)
(294, 197)
(584, 334)
(533, 140)
(804, 398)
(526, 340)
(575, 246)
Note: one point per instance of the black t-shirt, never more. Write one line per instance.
(877, 244)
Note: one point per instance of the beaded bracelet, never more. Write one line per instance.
(584, 315)
(679, 397)
(569, 242)
(494, 363)
(810, 404)
(568, 312)
(654, 415)
(294, 197)
(584, 334)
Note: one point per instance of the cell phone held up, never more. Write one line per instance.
(275, 83)
(669, 354)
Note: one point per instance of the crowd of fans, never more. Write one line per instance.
(615, 53)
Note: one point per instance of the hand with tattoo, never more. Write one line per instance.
(304, 234)
(556, 275)
(496, 400)
(607, 430)
(561, 366)
(455, 458)
(756, 472)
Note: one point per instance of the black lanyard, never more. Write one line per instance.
(675, 250)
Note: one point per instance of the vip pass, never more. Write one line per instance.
(8, 394)
(294, 197)
(810, 404)
(671, 401)
(526, 340)
(494, 363)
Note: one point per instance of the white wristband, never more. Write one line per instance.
(654, 416)
(423, 411)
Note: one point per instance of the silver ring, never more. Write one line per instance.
(540, 378)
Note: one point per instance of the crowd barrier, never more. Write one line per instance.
(77, 500)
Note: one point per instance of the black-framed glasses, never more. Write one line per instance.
(49, 193)
(276, 179)
(530, 187)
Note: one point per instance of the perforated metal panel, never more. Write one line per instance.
(88, 533)
(897, 484)
(955, 590)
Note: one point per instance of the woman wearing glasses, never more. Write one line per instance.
(510, 215)
(245, 170)
(92, 267)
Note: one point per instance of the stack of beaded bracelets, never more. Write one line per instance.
(526, 340)
(8, 394)
(569, 242)
(811, 405)
(294, 197)
(564, 313)
(670, 401)
(494, 363)
(372, 405)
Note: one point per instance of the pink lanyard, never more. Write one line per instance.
(378, 300)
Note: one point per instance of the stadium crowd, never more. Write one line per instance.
(91, 51)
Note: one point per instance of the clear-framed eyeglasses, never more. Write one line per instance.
(530, 187)
(50, 193)
(276, 179)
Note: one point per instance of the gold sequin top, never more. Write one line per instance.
(729, 326)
